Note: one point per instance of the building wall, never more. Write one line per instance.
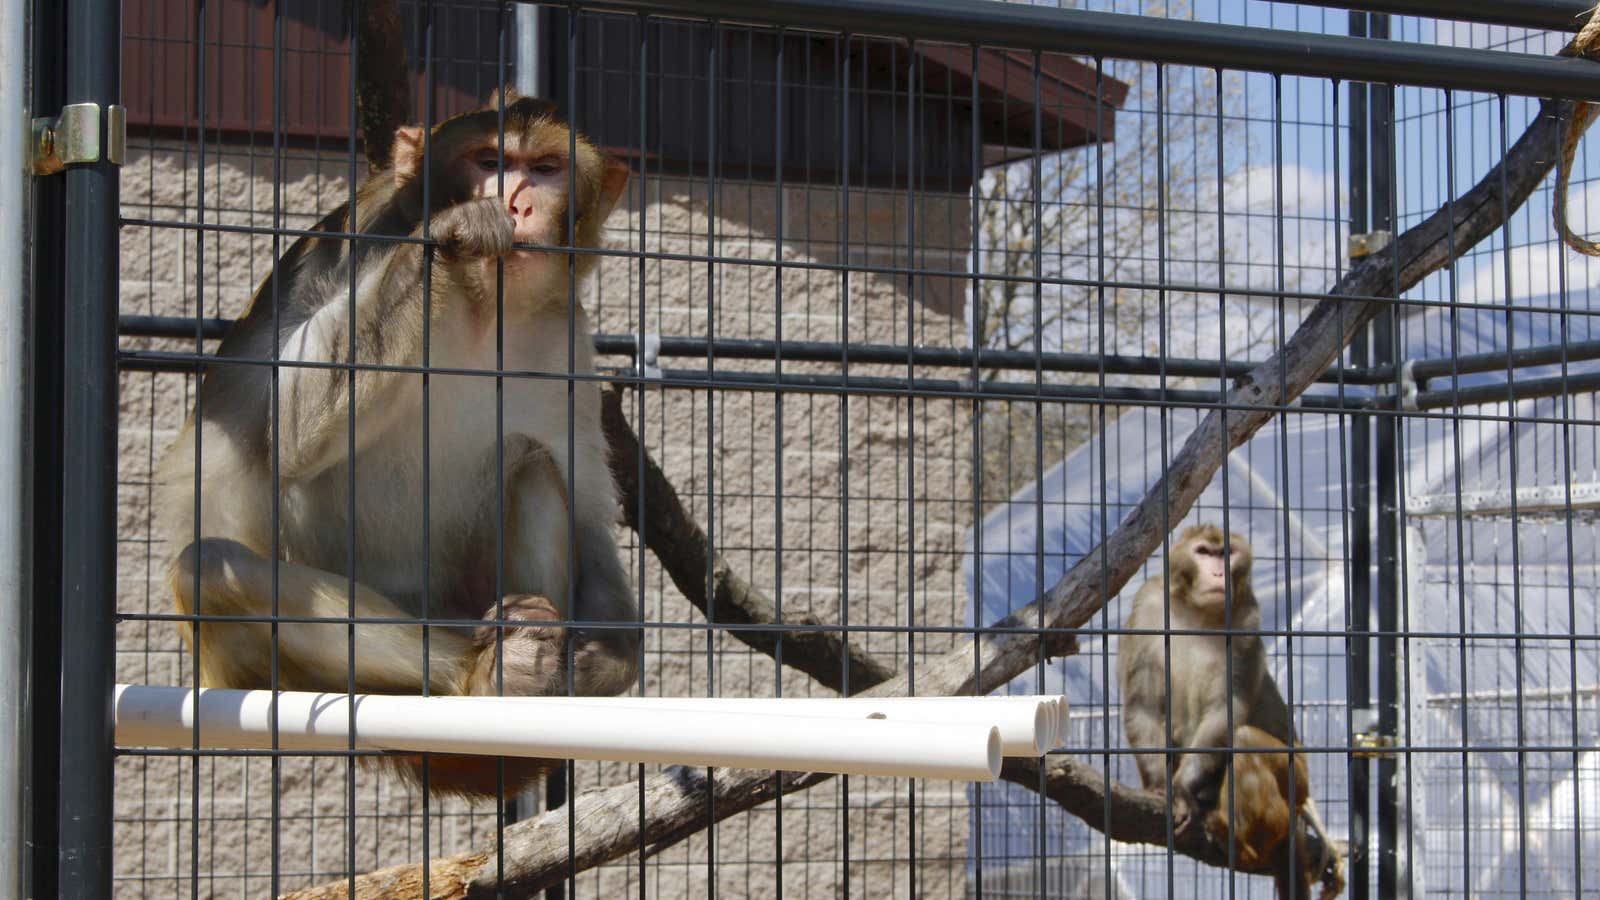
(873, 491)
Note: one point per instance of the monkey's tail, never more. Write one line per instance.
(1330, 863)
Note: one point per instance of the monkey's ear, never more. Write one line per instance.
(406, 160)
(508, 92)
(613, 178)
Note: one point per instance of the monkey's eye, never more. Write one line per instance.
(488, 160)
(547, 167)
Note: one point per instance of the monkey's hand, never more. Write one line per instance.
(477, 229)
(528, 655)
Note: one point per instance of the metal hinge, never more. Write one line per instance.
(1372, 745)
(1367, 741)
(1362, 245)
(75, 137)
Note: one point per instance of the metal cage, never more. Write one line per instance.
(910, 310)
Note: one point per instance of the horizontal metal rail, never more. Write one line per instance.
(181, 328)
(1533, 388)
(1555, 15)
(1122, 36)
(1537, 499)
(953, 389)
(1471, 364)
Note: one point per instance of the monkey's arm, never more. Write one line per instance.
(1271, 714)
(1213, 731)
(384, 328)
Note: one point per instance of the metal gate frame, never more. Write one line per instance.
(59, 388)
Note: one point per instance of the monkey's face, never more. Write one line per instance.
(1212, 557)
(532, 179)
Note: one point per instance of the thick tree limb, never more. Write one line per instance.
(684, 551)
(680, 801)
(383, 90)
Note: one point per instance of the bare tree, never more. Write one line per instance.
(1064, 242)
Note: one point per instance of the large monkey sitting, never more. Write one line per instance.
(337, 450)
(1209, 589)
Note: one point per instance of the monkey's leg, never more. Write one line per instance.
(509, 658)
(604, 659)
(236, 581)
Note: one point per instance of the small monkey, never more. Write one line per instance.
(1258, 800)
(1208, 585)
(496, 534)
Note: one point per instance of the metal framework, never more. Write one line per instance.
(899, 411)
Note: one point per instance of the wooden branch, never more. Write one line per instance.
(447, 879)
(1128, 815)
(685, 551)
(383, 87)
(679, 802)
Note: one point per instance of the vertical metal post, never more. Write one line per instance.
(530, 32)
(48, 260)
(1360, 619)
(1386, 439)
(89, 466)
(14, 563)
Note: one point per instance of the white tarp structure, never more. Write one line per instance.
(1526, 605)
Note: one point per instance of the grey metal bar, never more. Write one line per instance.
(89, 461)
(14, 428)
(1359, 642)
(1531, 389)
(1155, 39)
(183, 328)
(47, 255)
(180, 327)
(1555, 15)
(1473, 363)
(1387, 473)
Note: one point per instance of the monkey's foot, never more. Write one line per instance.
(1185, 810)
(526, 659)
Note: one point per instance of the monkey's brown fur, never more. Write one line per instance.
(1253, 809)
(498, 465)
(1207, 589)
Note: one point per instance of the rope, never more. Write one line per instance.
(1585, 46)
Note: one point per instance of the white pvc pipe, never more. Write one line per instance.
(14, 430)
(228, 719)
(1028, 725)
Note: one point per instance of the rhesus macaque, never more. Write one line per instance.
(1208, 585)
(337, 449)
(1255, 808)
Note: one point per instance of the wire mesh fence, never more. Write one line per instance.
(903, 313)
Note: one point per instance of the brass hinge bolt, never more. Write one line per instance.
(1372, 745)
(1363, 245)
(74, 137)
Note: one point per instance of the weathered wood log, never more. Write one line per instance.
(686, 554)
(448, 879)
